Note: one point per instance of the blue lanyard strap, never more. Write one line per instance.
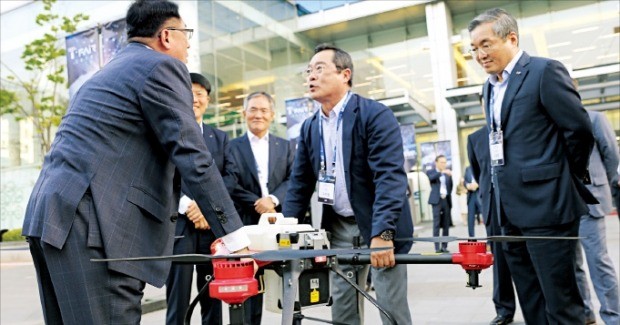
(335, 141)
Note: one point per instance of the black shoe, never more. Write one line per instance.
(501, 320)
(443, 250)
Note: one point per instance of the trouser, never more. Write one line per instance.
(74, 290)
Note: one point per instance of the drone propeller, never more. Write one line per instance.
(266, 256)
(445, 239)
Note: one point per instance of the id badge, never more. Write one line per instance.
(496, 146)
(327, 186)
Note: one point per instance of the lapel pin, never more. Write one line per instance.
(518, 72)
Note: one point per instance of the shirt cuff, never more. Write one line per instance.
(236, 240)
(274, 199)
(184, 204)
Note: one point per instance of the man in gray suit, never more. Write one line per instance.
(108, 187)
(261, 165)
(603, 163)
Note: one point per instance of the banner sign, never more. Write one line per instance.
(407, 132)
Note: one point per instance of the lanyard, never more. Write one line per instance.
(494, 93)
(335, 141)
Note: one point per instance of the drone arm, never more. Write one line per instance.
(356, 259)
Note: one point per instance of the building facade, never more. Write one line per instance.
(410, 55)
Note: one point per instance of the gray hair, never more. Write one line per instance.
(272, 103)
(504, 23)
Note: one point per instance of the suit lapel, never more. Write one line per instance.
(248, 157)
(209, 137)
(348, 122)
(274, 154)
(486, 95)
(514, 84)
(315, 154)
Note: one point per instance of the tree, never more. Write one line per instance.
(45, 87)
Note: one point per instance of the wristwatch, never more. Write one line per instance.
(387, 235)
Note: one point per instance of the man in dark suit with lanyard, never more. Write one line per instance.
(259, 174)
(192, 230)
(540, 138)
(352, 146)
(108, 187)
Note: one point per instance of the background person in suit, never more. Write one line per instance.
(108, 189)
(441, 200)
(542, 139)
(473, 201)
(353, 147)
(602, 167)
(195, 236)
(480, 164)
(262, 163)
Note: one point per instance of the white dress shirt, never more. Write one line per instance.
(331, 137)
(499, 89)
(260, 150)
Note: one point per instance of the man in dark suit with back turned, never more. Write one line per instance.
(602, 167)
(480, 166)
(262, 163)
(473, 201)
(192, 229)
(540, 139)
(353, 147)
(108, 189)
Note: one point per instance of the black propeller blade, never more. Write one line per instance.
(266, 256)
(446, 239)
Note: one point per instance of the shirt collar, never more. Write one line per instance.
(336, 110)
(508, 70)
(254, 137)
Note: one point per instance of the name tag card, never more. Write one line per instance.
(496, 146)
(327, 186)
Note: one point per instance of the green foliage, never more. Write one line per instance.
(9, 102)
(13, 235)
(45, 86)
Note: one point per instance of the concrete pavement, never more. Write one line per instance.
(437, 293)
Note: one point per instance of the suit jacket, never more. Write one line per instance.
(217, 143)
(480, 164)
(435, 196)
(603, 164)
(124, 132)
(373, 166)
(244, 175)
(547, 143)
(468, 179)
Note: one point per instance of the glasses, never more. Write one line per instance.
(189, 32)
(485, 49)
(317, 70)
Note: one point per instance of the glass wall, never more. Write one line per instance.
(580, 34)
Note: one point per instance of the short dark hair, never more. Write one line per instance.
(197, 78)
(146, 17)
(342, 60)
(246, 101)
(439, 157)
